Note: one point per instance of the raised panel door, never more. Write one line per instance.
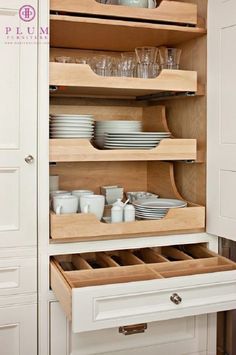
(221, 186)
(18, 127)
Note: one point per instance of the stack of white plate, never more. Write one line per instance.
(103, 127)
(155, 208)
(72, 126)
(134, 140)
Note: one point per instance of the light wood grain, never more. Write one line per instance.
(115, 35)
(91, 175)
(167, 11)
(84, 81)
(61, 288)
(79, 227)
(133, 269)
(69, 150)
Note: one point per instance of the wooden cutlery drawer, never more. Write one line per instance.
(116, 288)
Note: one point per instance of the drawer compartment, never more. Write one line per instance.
(156, 177)
(117, 288)
(176, 12)
(80, 79)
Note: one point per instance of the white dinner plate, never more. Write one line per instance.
(71, 130)
(129, 148)
(71, 119)
(71, 135)
(151, 218)
(61, 116)
(71, 124)
(117, 122)
(131, 144)
(160, 203)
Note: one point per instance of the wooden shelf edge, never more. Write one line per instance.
(82, 77)
(174, 11)
(86, 226)
(81, 150)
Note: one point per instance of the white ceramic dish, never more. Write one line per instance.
(89, 136)
(160, 203)
(70, 130)
(71, 116)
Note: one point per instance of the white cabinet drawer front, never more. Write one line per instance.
(18, 330)
(123, 304)
(103, 290)
(177, 336)
(18, 275)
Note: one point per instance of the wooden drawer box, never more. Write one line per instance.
(168, 11)
(156, 177)
(80, 226)
(118, 288)
(80, 79)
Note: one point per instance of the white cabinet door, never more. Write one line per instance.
(188, 336)
(221, 186)
(18, 127)
(18, 330)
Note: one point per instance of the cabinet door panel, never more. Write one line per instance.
(18, 128)
(188, 335)
(221, 186)
(18, 330)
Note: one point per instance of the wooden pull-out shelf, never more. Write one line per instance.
(107, 289)
(80, 79)
(116, 35)
(168, 11)
(81, 227)
(81, 150)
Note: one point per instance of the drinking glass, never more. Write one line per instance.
(148, 71)
(102, 65)
(126, 64)
(64, 59)
(146, 55)
(81, 60)
(169, 57)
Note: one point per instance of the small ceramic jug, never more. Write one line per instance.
(129, 213)
(116, 214)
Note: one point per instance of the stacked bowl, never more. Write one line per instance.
(71, 126)
(118, 126)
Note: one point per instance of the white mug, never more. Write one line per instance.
(152, 4)
(53, 183)
(80, 193)
(64, 204)
(59, 193)
(93, 204)
(134, 3)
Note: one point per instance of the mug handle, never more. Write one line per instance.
(58, 209)
(85, 209)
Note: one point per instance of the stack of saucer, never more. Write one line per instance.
(103, 127)
(154, 208)
(72, 126)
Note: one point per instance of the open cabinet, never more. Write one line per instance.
(123, 275)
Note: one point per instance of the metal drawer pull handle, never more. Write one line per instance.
(175, 298)
(29, 159)
(133, 329)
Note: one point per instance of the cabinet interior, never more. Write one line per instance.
(101, 268)
(185, 117)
